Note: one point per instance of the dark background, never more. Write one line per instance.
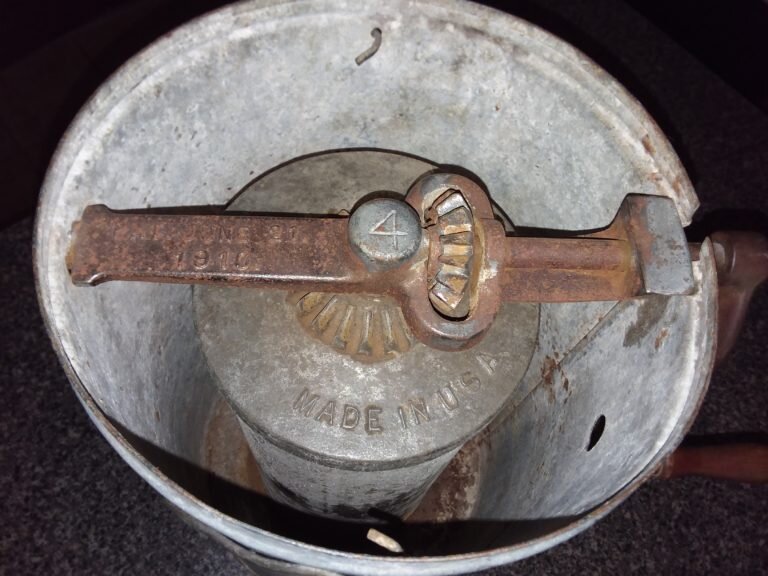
(69, 505)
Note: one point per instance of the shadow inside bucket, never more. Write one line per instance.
(419, 537)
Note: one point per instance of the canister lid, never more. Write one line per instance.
(338, 377)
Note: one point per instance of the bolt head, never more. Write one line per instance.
(384, 233)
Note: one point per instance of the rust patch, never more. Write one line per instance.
(547, 377)
(548, 368)
(226, 453)
(647, 145)
(453, 495)
(677, 185)
(660, 338)
(649, 313)
(239, 250)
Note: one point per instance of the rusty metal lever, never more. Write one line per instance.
(442, 254)
(290, 253)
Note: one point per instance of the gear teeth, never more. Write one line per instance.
(453, 202)
(449, 293)
(366, 328)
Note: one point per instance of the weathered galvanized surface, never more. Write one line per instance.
(206, 109)
(322, 443)
(333, 435)
(619, 368)
(663, 254)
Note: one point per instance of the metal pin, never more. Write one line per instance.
(384, 541)
(376, 34)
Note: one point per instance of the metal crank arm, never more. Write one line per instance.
(284, 252)
(442, 254)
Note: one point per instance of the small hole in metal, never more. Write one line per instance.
(597, 432)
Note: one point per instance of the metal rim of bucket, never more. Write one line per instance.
(265, 542)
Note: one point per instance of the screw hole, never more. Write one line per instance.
(597, 432)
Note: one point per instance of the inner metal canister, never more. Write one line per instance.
(347, 414)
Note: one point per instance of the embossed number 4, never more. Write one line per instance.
(380, 228)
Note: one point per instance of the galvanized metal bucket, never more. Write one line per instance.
(611, 388)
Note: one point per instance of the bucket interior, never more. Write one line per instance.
(611, 387)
